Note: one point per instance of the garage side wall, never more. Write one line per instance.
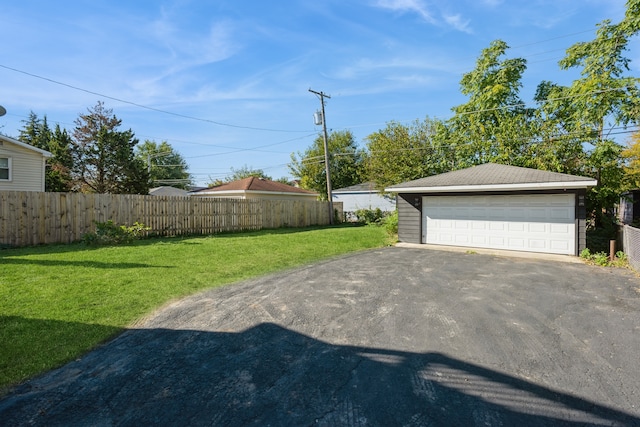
(409, 218)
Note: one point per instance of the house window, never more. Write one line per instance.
(5, 168)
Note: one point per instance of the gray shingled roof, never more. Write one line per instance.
(492, 174)
(365, 186)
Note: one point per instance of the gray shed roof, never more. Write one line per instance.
(492, 177)
(365, 187)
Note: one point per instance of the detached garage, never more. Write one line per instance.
(496, 207)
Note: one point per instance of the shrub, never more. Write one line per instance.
(391, 223)
(369, 216)
(108, 233)
(602, 258)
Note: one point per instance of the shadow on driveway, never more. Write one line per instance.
(271, 375)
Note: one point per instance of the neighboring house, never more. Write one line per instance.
(362, 196)
(22, 166)
(169, 191)
(497, 207)
(629, 207)
(257, 188)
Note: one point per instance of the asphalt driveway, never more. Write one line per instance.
(396, 336)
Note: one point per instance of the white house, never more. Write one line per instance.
(22, 166)
(257, 188)
(363, 196)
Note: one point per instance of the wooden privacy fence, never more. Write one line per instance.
(32, 218)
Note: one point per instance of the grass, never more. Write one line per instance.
(58, 302)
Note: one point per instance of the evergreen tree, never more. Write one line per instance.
(36, 132)
(103, 156)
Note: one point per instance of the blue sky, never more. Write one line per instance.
(226, 82)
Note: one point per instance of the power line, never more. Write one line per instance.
(146, 107)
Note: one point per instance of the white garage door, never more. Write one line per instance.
(534, 223)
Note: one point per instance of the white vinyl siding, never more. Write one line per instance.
(27, 168)
(533, 223)
(353, 201)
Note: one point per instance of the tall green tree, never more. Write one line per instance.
(104, 158)
(493, 125)
(604, 97)
(164, 164)
(401, 153)
(37, 132)
(346, 163)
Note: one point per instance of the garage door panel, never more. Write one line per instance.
(539, 223)
(496, 241)
(561, 228)
(539, 214)
(559, 245)
(516, 243)
(538, 244)
(560, 214)
(497, 225)
(516, 227)
(479, 240)
(479, 225)
(537, 227)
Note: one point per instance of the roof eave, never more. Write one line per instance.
(496, 187)
(354, 192)
(19, 143)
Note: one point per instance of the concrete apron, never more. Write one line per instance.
(496, 252)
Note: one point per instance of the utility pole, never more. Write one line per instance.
(322, 96)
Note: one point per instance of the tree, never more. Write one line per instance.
(238, 174)
(493, 125)
(36, 132)
(346, 163)
(59, 167)
(401, 153)
(631, 155)
(601, 99)
(246, 172)
(104, 158)
(164, 165)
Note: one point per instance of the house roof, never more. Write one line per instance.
(365, 187)
(45, 153)
(492, 177)
(168, 191)
(258, 185)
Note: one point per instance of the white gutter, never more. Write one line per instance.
(496, 187)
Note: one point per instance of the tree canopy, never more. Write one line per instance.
(345, 163)
(37, 132)
(103, 156)
(164, 164)
(401, 153)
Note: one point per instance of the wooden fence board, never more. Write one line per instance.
(32, 218)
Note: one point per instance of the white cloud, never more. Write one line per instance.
(415, 6)
(420, 8)
(458, 23)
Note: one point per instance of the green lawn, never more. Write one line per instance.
(57, 302)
